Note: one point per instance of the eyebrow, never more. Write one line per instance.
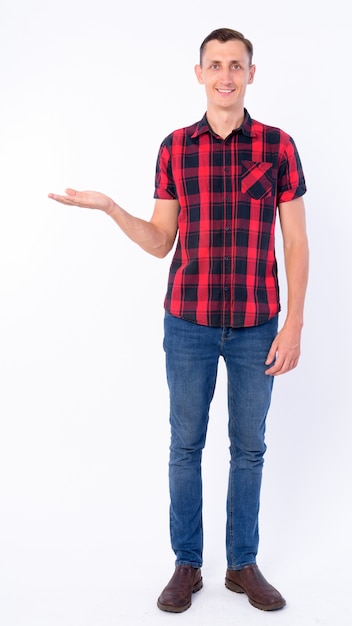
(232, 61)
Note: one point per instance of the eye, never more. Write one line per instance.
(214, 66)
(236, 66)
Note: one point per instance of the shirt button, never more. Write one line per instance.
(227, 227)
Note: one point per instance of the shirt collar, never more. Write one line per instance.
(246, 127)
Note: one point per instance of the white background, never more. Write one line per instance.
(88, 91)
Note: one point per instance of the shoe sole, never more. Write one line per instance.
(180, 609)
(263, 607)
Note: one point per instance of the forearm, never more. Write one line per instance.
(296, 267)
(156, 236)
(285, 349)
(146, 234)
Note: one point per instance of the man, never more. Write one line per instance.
(219, 184)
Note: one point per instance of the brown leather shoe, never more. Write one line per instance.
(251, 581)
(177, 595)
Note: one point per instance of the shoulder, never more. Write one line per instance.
(270, 132)
(274, 140)
(180, 135)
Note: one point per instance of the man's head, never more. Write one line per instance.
(225, 70)
(227, 34)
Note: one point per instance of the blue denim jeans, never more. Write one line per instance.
(192, 356)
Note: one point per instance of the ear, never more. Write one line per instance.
(251, 74)
(199, 73)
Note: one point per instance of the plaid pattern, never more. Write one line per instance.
(224, 270)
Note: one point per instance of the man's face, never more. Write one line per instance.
(225, 72)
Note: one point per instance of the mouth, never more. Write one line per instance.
(225, 91)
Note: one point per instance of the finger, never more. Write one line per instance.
(58, 198)
(282, 366)
(271, 354)
(273, 370)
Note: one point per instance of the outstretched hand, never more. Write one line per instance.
(85, 199)
(285, 350)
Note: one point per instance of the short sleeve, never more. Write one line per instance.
(165, 188)
(291, 180)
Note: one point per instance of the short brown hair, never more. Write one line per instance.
(226, 34)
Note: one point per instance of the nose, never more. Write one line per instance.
(226, 76)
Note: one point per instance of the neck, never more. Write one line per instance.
(224, 122)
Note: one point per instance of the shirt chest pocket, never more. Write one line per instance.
(256, 179)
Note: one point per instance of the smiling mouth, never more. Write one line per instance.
(225, 90)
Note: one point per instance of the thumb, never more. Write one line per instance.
(271, 354)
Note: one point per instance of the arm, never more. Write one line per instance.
(155, 236)
(286, 345)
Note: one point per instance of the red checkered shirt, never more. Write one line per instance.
(224, 269)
